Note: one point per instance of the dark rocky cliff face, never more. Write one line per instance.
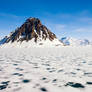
(32, 28)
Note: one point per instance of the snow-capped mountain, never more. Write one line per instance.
(74, 42)
(31, 31)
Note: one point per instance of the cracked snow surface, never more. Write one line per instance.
(54, 69)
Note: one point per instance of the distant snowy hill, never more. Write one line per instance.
(74, 42)
(31, 32)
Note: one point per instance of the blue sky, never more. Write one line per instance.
(72, 18)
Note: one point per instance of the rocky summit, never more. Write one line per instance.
(32, 28)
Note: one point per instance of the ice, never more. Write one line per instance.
(46, 69)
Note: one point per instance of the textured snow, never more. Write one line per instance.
(50, 68)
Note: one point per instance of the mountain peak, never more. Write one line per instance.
(33, 20)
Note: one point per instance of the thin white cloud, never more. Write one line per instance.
(87, 20)
(83, 30)
(8, 15)
(12, 16)
(59, 27)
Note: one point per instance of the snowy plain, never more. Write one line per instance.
(45, 69)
